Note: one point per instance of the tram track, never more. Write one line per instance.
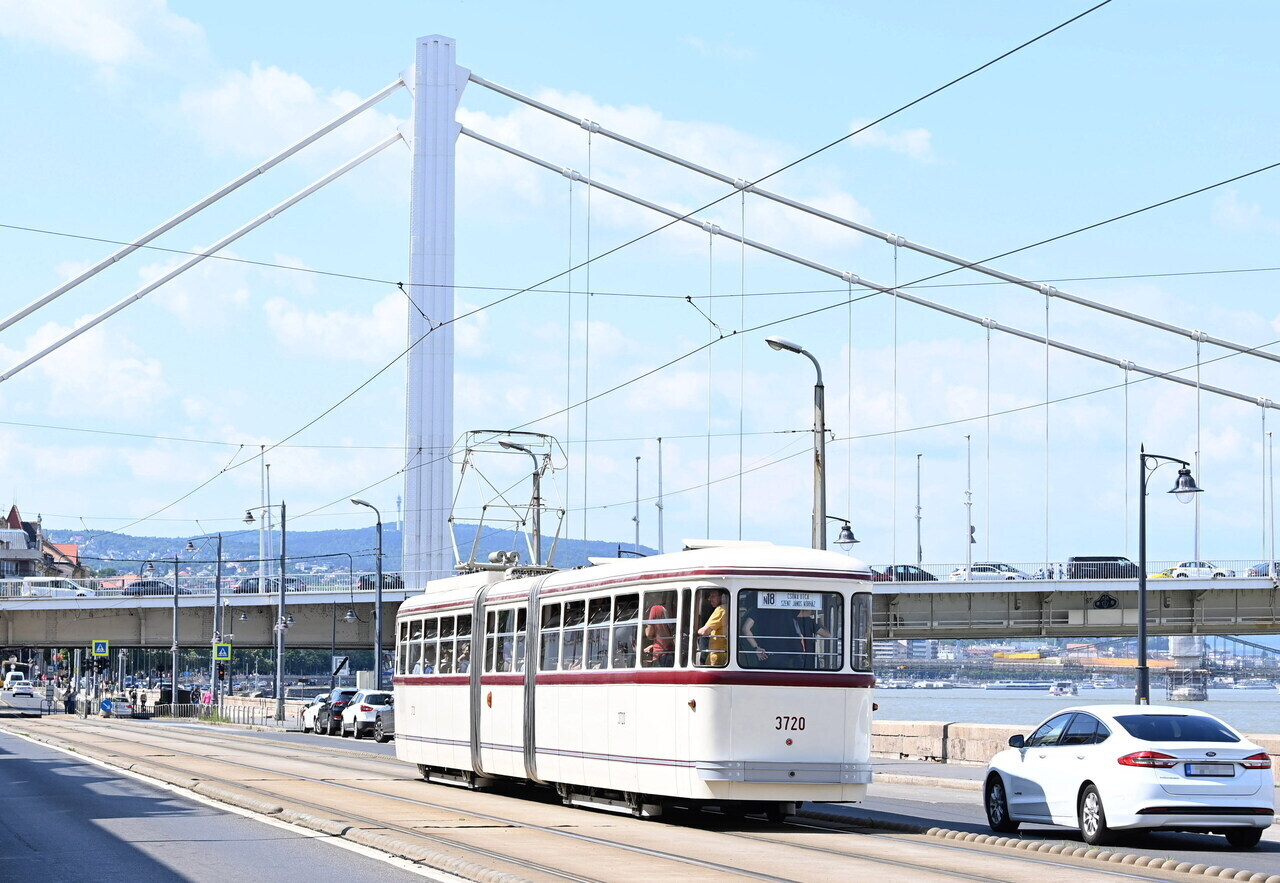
(350, 761)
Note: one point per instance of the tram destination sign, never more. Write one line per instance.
(790, 600)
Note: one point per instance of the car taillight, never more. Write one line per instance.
(1260, 761)
(370, 708)
(1148, 759)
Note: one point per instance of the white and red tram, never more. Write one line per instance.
(735, 674)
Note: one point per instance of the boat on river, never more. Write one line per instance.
(1063, 688)
(1041, 686)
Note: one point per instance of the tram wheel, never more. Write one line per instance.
(777, 813)
(423, 770)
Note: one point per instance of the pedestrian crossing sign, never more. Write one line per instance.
(101, 648)
(222, 652)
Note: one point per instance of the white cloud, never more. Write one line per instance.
(721, 51)
(369, 337)
(1231, 213)
(98, 373)
(109, 33)
(914, 143)
(260, 112)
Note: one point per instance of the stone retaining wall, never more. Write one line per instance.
(948, 742)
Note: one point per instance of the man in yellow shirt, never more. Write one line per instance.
(716, 630)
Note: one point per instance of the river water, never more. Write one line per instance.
(1249, 711)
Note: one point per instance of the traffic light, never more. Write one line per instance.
(222, 669)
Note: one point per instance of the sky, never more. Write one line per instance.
(121, 114)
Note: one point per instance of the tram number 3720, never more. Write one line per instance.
(787, 722)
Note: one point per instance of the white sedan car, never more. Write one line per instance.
(987, 572)
(361, 712)
(1111, 768)
(1200, 570)
(308, 714)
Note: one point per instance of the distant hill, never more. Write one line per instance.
(330, 550)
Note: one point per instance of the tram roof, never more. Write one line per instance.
(708, 559)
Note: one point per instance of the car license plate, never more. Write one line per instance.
(1225, 770)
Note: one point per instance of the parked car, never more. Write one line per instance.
(1264, 569)
(1106, 769)
(1200, 570)
(367, 582)
(116, 706)
(903, 573)
(1007, 569)
(250, 585)
(1167, 573)
(987, 572)
(328, 717)
(307, 716)
(151, 587)
(384, 724)
(1101, 567)
(361, 712)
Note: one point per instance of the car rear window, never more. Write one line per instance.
(378, 698)
(1175, 728)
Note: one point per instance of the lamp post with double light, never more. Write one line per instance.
(217, 614)
(819, 442)
(283, 619)
(1185, 490)
(377, 599)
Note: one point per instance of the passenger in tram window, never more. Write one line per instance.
(659, 643)
(807, 630)
(715, 629)
(464, 657)
(571, 649)
(429, 658)
(751, 647)
(446, 661)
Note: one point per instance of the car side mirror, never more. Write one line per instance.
(1017, 741)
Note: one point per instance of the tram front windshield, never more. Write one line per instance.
(790, 630)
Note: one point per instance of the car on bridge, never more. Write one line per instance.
(150, 587)
(1200, 570)
(903, 573)
(987, 572)
(1101, 567)
(367, 582)
(54, 587)
(252, 585)
(1264, 569)
(1114, 769)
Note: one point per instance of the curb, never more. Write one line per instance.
(1044, 846)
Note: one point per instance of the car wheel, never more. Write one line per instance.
(1244, 838)
(1180, 575)
(1093, 819)
(997, 805)
(379, 733)
(305, 727)
(355, 730)
(1219, 575)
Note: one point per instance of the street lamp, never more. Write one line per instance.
(377, 600)
(819, 443)
(1185, 489)
(846, 540)
(281, 621)
(536, 505)
(217, 616)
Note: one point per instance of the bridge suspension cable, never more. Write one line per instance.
(200, 256)
(200, 206)
(847, 276)
(891, 238)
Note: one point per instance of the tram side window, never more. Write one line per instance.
(860, 634)
(431, 628)
(572, 645)
(413, 662)
(598, 615)
(521, 630)
(444, 661)
(686, 625)
(462, 654)
(626, 613)
(549, 636)
(658, 644)
(711, 624)
(402, 650)
(790, 630)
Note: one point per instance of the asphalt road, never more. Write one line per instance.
(63, 818)
(961, 810)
